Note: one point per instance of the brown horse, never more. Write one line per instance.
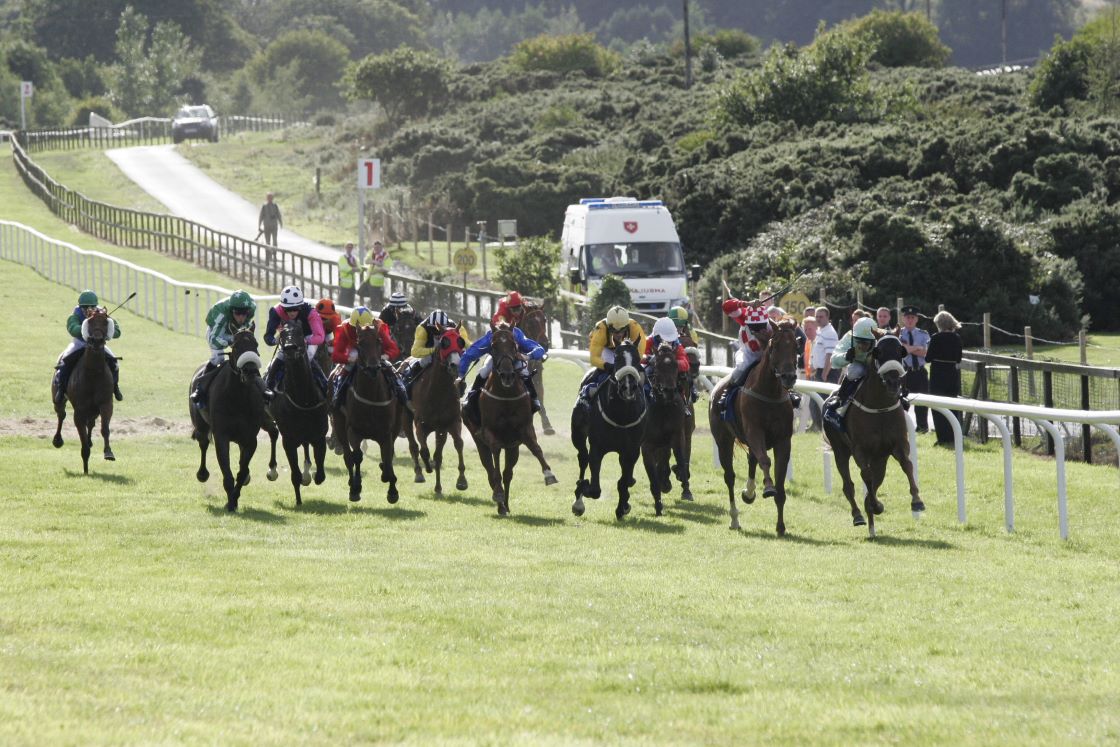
(372, 411)
(236, 414)
(505, 419)
(689, 428)
(763, 421)
(877, 431)
(90, 389)
(403, 332)
(534, 323)
(435, 397)
(299, 409)
(665, 424)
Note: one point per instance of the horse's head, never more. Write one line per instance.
(449, 346)
(887, 360)
(404, 328)
(292, 341)
(534, 324)
(663, 376)
(246, 361)
(503, 349)
(627, 374)
(98, 328)
(369, 346)
(783, 352)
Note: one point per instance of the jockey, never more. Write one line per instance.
(681, 319)
(223, 320)
(345, 354)
(530, 349)
(853, 355)
(664, 330)
(87, 304)
(330, 316)
(755, 331)
(423, 344)
(397, 306)
(601, 347)
(292, 309)
(511, 310)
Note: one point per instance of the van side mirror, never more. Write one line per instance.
(573, 276)
(694, 273)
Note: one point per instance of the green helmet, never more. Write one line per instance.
(864, 329)
(679, 315)
(87, 298)
(240, 300)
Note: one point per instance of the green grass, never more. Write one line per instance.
(1102, 349)
(135, 610)
(95, 175)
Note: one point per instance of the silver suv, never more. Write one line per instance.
(194, 122)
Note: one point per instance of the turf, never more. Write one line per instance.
(134, 609)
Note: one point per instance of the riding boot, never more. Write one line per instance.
(198, 396)
(398, 386)
(64, 368)
(114, 368)
(410, 375)
(273, 377)
(532, 389)
(341, 384)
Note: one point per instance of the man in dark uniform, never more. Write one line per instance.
(269, 222)
(917, 378)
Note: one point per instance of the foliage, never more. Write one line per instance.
(308, 63)
(98, 104)
(826, 81)
(1089, 234)
(899, 39)
(406, 83)
(611, 292)
(565, 54)
(82, 77)
(149, 74)
(531, 268)
(1062, 74)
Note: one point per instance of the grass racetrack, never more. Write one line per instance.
(134, 609)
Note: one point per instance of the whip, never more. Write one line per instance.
(122, 303)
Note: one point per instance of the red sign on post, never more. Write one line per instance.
(369, 173)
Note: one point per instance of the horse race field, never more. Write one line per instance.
(133, 609)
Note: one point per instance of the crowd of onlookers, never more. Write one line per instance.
(932, 361)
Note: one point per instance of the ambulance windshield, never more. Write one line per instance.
(637, 260)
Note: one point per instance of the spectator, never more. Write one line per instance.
(347, 271)
(269, 222)
(809, 327)
(944, 354)
(380, 264)
(823, 346)
(798, 333)
(917, 378)
(775, 313)
(883, 317)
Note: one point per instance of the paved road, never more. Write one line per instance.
(189, 193)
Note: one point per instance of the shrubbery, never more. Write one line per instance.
(612, 292)
(531, 268)
(565, 54)
(900, 39)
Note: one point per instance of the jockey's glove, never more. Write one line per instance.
(850, 355)
(352, 356)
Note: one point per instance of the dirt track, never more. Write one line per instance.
(44, 427)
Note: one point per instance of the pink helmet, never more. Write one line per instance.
(757, 315)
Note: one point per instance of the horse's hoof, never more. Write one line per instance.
(355, 497)
(246, 482)
(57, 442)
(393, 496)
(109, 456)
(917, 507)
(461, 483)
(871, 532)
(549, 431)
(202, 475)
(272, 474)
(659, 510)
(419, 477)
(781, 530)
(747, 496)
(305, 479)
(549, 478)
(438, 490)
(338, 450)
(231, 506)
(633, 482)
(859, 521)
(769, 492)
(734, 524)
(878, 508)
(320, 478)
(577, 508)
(687, 495)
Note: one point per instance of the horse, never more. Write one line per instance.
(616, 422)
(435, 398)
(90, 389)
(689, 426)
(372, 411)
(403, 331)
(666, 425)
(534, 323)
(876, 431)
(299, 409)
(763, 421)
(236, 413)
(505, 419)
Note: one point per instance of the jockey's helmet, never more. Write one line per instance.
(398, 299)
(864, 329)
(757, 320)
(679, 315)
(437, 318)
(291, 297)
(513, 300)
(325, 306)
(361, 317)
(665, 329)
(618, 317)
(87, 298)
(240, 301)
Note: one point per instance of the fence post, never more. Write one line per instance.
(1048, 401)
(1030, 356)
(431, 240)
(1086, 429)
(898, 309)
(1081, 347)
(987, 330)
(449, 244)
(1013, 382)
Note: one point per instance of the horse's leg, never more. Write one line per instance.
(354, 458)
(842, 457)
(320, 450)
(106, 416)
(305, 477)
(387, 473)
(652, 464)
(684, 471)
(871, 504)
(457, 439)
(579, 441)
(247, 450)
(495, 475)
(756, 444)
(221, 453)
(594, 463)
(529, 438)
(422, 443)
(902, 456)
(749, 493)
(60, 411)
(627, 460)
(546, 425)
(203, 439)
(512, 455)
(84, 435)
(437, 462)
(781, 461)
(273, 433)
(291, 451)
(413, 446)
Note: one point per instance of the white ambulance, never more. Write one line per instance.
(633, 239)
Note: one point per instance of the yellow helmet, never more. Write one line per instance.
(361, 317)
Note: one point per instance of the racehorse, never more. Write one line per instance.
(505, 419)
(236, 413)
(763, 421)
(299, 409)
(665, 426)
(436, 401)
(615, 422)
(877, 431)
(693, 354)
(403, 332)
(535, 325)
(371, 410)
(90, 389)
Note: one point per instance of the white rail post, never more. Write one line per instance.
(1060, 459)
(1008, 499)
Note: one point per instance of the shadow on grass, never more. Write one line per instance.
(927, 544)
(529, 521)
(696, 513)
(789, 537)
(248, 514)
(390, 512)
(102, 476)
(319, 507)
(456, 497)
(654, 526)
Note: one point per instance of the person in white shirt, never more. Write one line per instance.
(820, 362)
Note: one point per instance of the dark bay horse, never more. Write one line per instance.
(615, 422)
(372, 411)
(535, 326)
(665, 427)
(299, 409)
(236, 413)
(505, 419)
(403, 332)
(763, 421)
(435, 398)
(877, 431)
(90, 389)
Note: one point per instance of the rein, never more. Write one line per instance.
(874, 410)
(607, 418)
(772, 400)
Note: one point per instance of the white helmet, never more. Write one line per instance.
(665, 329)
(618, 317)
(437, 318)
(291, 297)
(863, 329)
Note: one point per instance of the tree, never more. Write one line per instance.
(531, 268)
(565, 54)
(147, 76)
(406, 83)
(900, 39)
(612, 292)
(309, 66)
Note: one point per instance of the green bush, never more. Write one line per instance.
(101, 105)
(565, 54)
(532, 268)
(1062, 74)
(612, 292)
(407, 83)
(900, 39)
(308, 66)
